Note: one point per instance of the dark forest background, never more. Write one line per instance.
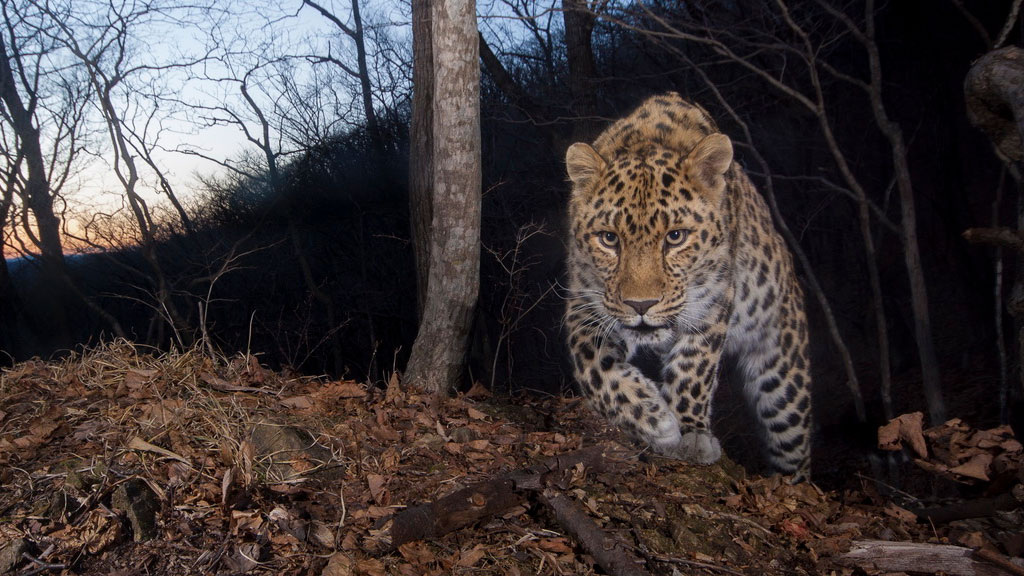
(309, 264)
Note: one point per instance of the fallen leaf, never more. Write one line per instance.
(468, 559)
(479, 445)
(370, 567)
(376, 484)
(977, 467)
(556, 545)
(908, 429)
(136, 378)
(795, 529)
(321, 534)
(302, 402)
(478, 390)
(972, 539)
(347, 389)
(416, 553)
(137, 443)
(394, 390)
(900, 513)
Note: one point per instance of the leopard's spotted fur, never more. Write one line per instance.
(674, 256)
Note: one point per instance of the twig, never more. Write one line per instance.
(999, 560)
(978, 508)
(693, 564)
(40, 565)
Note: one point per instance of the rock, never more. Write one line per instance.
(62, 506)
(140, 505)
(463, 435)
(430, 441)
(287, 452)
(10, 555)
(245, 558)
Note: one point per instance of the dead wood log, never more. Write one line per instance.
(977, 508)
(994, 90)
(1004, 237)
(487, 499)
(916, 557)
(610, 553)
(456, 510)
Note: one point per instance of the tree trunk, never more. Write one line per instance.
(931, 379)
(579, 28)
(453, 280)
(994, 91)
(37, 197)
(372, 125)
(10, 321)
(421, 157)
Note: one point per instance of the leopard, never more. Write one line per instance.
(675, 269)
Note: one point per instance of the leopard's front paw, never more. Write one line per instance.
(699, 447)
(661, 432)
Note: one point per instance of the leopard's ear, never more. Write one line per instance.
(583, 164)
(707, 163)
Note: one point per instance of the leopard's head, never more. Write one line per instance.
(649, 227)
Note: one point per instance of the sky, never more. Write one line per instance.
(200, 109)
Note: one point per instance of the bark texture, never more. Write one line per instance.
(579, 29)
(421, 153)
(878, 555)
(36, 194)
(994, 90)
(453, 279)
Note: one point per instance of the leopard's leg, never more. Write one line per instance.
(616, 389)
(691, 377)
(777, 386)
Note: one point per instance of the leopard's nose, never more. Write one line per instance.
(641, 306)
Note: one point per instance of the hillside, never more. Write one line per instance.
(118, 461)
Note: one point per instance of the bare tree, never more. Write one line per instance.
(360, 73)
(579, 28)
(28, 170)
(890, 129)
(453, 281)
(43, 126)
(37, 186)
(102, 49)
(994, 90)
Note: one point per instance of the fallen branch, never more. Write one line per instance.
(456, 510)
(978, 508)
(919, 558)
(486, 499)
(1004, 237)
(693, 564)
(611, 554)
(999, 560)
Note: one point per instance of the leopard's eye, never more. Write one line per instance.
(608, 239)
(676, 237)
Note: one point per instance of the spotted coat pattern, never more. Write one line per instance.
(673, 264)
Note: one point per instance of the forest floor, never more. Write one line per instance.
(118, 461)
